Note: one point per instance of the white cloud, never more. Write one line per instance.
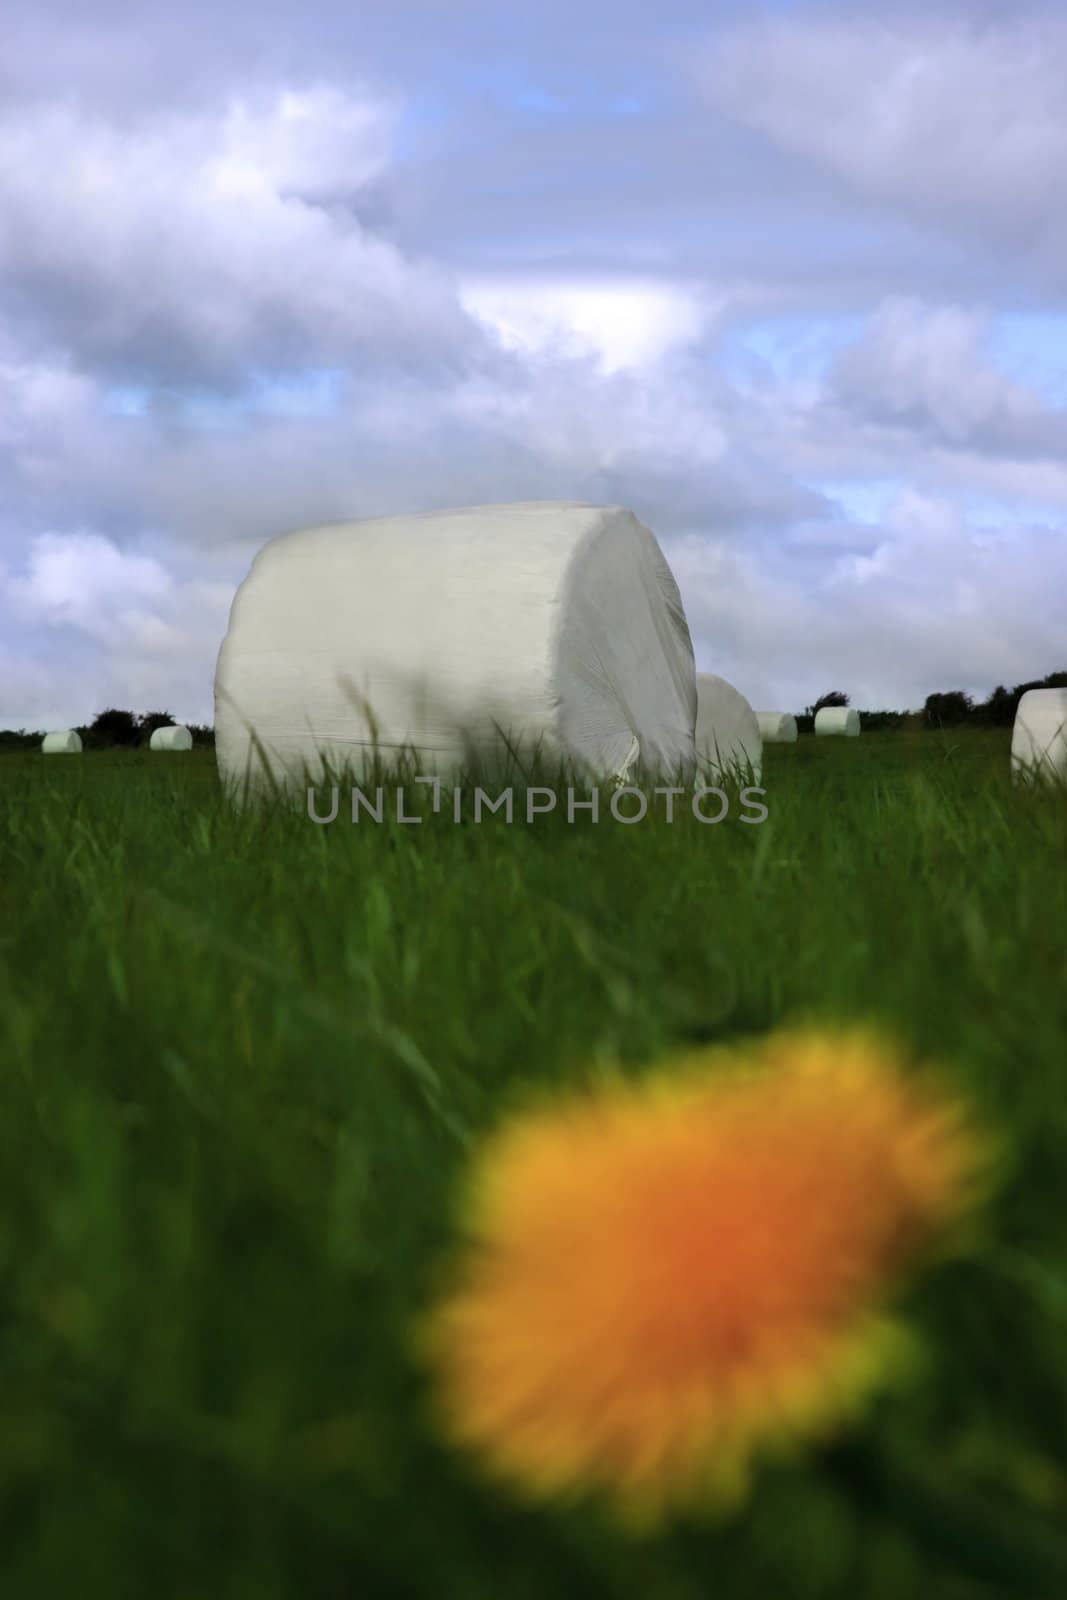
(622, 323)
(211, 244)
(937, 603)
(783, 591)
(957, 119)
(214, 326)
(313, 143)
(82, 580)
(99, 625)
(929, 365)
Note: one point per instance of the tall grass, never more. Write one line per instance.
(244, 1055)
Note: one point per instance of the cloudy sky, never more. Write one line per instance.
(788, 278)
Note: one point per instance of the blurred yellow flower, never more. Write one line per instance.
(663, 1280)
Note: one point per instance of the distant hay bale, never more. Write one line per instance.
(1039, 737)
(777, 727)
(66, 743)
(171, 738)
(550, 627)
(838, 720)
(727, 732)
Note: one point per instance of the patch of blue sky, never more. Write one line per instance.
(315, 393)
(185, 405)
(568, 96)
(867, 500)
(861, 499)
(126, 400)
(798, 349)
(1031, 347)
(989, 511)
(433, 118)
(789, 348)
(536, 100)
(421, 121)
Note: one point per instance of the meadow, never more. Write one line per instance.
(245, 1058)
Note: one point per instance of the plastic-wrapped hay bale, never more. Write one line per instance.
(727, 733)
(777, 727)
(838, 719)
(174, 737)
(1039, 736)
(66, 743)
(540, 625)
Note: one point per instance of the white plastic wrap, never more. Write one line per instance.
(65, 743)
(777, 727)
(549, 625)
(727, 733)
(1039, 736)
(171, 738)
(842, 720)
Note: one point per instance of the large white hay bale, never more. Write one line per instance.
(777, 727)
(174, 737)
(838, 719)
(1039, 736)
(66, 743)
(727, 732)
(550, 625)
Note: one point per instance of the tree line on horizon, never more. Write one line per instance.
(948, 708)
(113, 729)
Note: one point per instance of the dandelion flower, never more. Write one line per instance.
(663, 1281)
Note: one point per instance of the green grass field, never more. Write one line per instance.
(243, 1058)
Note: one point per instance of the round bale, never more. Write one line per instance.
(65, 743)
(777, 727)
(1039, 736)
(728, 741)
(842, 720)
(539, 626)
(174, 737)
